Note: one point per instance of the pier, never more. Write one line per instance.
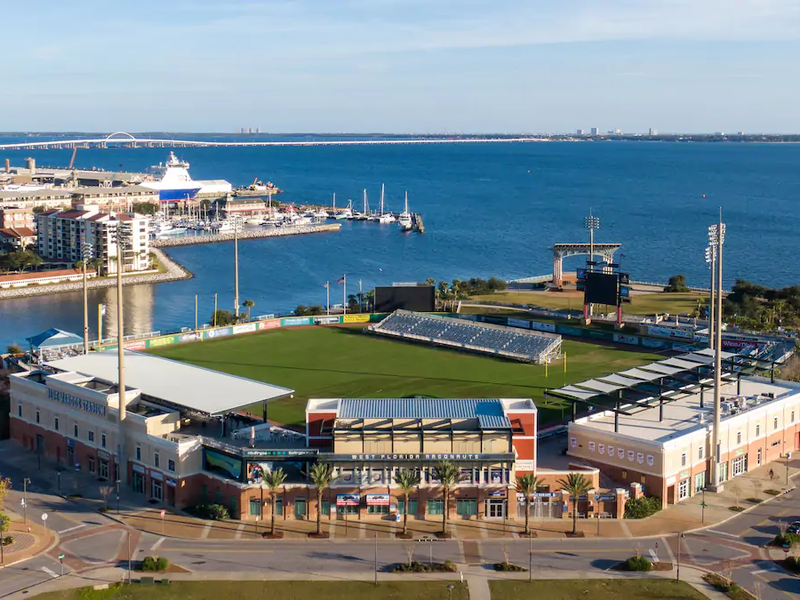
(249, 234)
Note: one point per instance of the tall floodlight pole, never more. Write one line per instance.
(86, 253)
(716, 237)
(711, 259)
(591, 223)
(121, 440)
(236, 268)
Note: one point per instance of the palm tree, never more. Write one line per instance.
(577, 485)
(527, 485)
(407, 480)
(448, 475)
(273, 480)
(322, 476)
(248, 304)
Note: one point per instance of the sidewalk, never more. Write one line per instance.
(29, 539)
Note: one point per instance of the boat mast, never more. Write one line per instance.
(366, 213)
(381, 199)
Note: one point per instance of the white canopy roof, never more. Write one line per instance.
(195, 388)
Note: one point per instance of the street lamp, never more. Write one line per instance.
(788, 456)
(117, 482)
(703, 507)
(25, 482)
(450, 588)
(678, 570)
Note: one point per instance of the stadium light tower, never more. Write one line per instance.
(716, 238)
(591, 223)
(711, 259)
(120, 236)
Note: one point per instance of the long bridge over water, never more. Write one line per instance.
(128, 140)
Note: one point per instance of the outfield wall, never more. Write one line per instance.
(215, 333)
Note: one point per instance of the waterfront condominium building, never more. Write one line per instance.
(62, 235)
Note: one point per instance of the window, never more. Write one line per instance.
(55, 423)
(738, 437)
(255, 507)
(683, 459)
(91, 436)
(156, 459)
(792, 420)
(700, 453)
(19, 410)
(371, 509)
(466, 507)
(91, 465)
(435, 507)
(75, 430)
(138, 453)
(643, 480)
(758, 430)
(624, 474)
(37, 416)
(775, 423)
(171, 465)
(103, 440)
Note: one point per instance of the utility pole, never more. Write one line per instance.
(25, 482)
(678, 570)
(121, 441)
(716, 236)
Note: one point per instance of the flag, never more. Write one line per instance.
(103, 309)
(341, 281)
(325, 284)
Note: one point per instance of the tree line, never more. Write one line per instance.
(760, 308)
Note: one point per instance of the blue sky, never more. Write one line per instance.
(401, 65)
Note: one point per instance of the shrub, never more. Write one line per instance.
(736, 508)
(643, 507)
(420, 567)
(509, 567)
(638, 563)
(7, 541)
(772, 492)
(727, 587)
(213, 512)
(755, 500)
(793, 539)
(154, 564)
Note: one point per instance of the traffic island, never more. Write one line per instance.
(727, 587)
(507, 567)
(322, 535)
(576, 534)
(448, 566)
(275, 535)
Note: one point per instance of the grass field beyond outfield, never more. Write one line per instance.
(595, 589)
(341, 362)
(273, 590)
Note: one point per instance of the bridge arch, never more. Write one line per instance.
(124, 135)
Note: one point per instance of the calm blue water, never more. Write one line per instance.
(490, 209)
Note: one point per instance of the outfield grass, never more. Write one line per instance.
(595, 589)
(641, 304)
(336, 362)
(274, 590)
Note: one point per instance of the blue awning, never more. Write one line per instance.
(53, 338)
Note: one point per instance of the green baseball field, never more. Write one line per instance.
(342, 362)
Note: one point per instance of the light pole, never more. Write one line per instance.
(450, 588)
(236, 268)
(711, 259)
(716, 237)
(703, 507)
(678, 570)
(25, 482)
(195, 313)
(121, 244)
(215, 310)
(788, 456)
(376, 558)
(86, 253)
(530, 557)
(591, 223)
(118, 482)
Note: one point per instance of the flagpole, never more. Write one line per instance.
(327, 297)
(99, 326)
(360, 298)
(344, 294)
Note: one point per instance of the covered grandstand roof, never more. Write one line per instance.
(489, 412)
(180, 384)
(655, 383)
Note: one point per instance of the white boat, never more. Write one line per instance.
(321, 214)
(171, 231)
(347, 213)
(254, 220)
(384, 218)
(404, 219)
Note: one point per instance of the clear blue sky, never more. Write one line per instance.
(400, 65)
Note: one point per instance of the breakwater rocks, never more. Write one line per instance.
(243, 235)
(172, 272)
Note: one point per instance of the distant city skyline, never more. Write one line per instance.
(460, 66)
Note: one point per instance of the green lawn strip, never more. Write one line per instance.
(336, 362)
(595, 589)
(273, 590)
(641, 304)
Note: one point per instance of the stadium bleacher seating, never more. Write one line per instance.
(490, 339)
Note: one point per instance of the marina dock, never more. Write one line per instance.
(248, 234)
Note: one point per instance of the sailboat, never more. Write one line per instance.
(384, 217)
(404, 220)
(363, 216)
(347, 213)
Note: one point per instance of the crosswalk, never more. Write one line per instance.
(50, 572)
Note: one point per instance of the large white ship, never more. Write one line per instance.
(173, 182)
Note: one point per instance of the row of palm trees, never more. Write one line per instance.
(447, 473)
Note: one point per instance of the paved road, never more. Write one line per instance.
(90, 541)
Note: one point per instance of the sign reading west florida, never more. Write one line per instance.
(76, 402)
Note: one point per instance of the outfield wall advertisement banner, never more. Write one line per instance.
(263, 325)
(355, 319)
(512, 322)
(294, 321)
(670, 332)
(626, 339)
(211, 334)
(326, 320)
(247, 328)
(139, 344)
(538, 326)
